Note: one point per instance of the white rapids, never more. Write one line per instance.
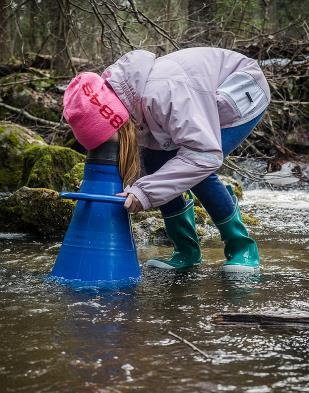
(284, 213)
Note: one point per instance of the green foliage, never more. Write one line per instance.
(43, 84)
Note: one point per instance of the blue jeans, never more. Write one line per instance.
(211, 191)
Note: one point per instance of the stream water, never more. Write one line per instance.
(54, 339)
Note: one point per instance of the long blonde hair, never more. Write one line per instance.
(129, 160)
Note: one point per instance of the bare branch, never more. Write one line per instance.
(33, 118)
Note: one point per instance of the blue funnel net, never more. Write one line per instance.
(98, 249)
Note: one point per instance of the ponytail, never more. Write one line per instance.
(129, 159)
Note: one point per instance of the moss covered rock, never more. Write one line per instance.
(46, 166)
(14, 140)
(201, 231)
(250, 219)
(236, 185)
(36, 210)
(150, 230)
(200, 215)
(142, 215)
(148, 227)
(73, 178)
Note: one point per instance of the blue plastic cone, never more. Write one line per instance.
(98, 248)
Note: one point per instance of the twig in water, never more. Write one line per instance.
(189, 344)
(256, 150)
(251, 175)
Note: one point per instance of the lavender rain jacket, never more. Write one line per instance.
(181, 101)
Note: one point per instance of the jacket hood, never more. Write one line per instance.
(128, 77)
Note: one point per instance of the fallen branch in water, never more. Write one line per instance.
(249, 174)
(189, 344)
(256, 150)
(299, 321)
(33, 118)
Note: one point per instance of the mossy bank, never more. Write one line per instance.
(14, 141)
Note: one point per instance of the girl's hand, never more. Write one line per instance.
(132, 204)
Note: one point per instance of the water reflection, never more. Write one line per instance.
(239, 286)
(95, 340)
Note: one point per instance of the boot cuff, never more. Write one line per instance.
(188, 206)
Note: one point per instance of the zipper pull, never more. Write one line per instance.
(249, 97)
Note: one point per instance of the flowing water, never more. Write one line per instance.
(54, 339)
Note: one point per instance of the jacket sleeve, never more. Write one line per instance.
(188, 119)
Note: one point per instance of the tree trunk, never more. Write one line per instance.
(4, 31)
(34, 30)
(201, 14)
(59, 14)
(168, 17)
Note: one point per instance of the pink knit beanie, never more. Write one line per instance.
(93, 110)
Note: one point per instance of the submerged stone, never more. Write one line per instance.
(14, 140)
(288, 174)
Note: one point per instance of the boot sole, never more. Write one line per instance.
(162, 265)
(159, 264)
(239, 269)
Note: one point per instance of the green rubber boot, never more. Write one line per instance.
(240, 249)
(180, 229)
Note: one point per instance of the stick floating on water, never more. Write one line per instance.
(189, 344)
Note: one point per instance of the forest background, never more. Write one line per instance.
(44, 43)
